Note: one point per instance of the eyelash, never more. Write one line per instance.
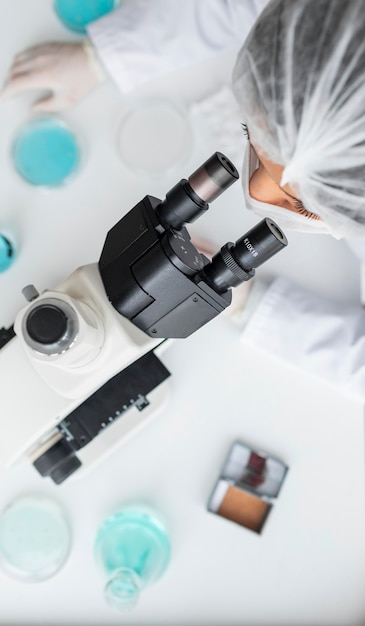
(300, 208)
(245, 131)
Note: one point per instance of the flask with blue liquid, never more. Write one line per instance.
(133, 549)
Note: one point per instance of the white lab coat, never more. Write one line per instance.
(145, 39)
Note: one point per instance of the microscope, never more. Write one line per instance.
(87, 354)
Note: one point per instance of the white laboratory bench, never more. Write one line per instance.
(308, 565)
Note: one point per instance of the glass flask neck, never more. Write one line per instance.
(122, 589)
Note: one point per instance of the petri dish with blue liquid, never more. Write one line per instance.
(77, 14)
(35, 538)
(46, 152)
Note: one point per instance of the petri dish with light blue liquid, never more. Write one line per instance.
(7, 252)
(46, 152)
(34, 538)
(77, 14)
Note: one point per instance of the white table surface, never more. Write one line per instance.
(308, 565)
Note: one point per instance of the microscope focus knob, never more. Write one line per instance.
(46, 324)
(30, 293)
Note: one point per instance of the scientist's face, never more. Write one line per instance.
(264, 186)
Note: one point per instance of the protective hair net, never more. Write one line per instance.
(300, 83)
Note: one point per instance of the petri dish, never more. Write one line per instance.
(77, 14)
(46, 152)
(34, 538)
(154, 137)
(7, 253)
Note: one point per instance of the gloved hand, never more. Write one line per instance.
(68, 70)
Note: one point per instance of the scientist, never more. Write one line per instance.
(300, 84)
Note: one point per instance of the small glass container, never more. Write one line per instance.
(154, 137)
(132, 549)
(77, 14)
(7, 252)
(34, 538)
(46, 151)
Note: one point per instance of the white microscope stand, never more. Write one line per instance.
(55, 392)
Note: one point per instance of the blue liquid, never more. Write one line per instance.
(7, 253)
(46, 152)
(34, 538)
(76, 14)
(135, 545)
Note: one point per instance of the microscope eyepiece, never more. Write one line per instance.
(236, 262)
(259, 244)
(189, 199)
(212, 178)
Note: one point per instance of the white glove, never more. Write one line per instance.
(68, 70)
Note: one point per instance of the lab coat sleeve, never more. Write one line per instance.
(144, 39)
(357, 247)
(313, 334)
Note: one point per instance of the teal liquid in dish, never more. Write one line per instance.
(133, 549)
(46, 152)
(34, 538)
(77, 14)
(7, 253)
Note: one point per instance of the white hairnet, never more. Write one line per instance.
(300, 83)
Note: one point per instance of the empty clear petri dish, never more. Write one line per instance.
(34, 538)
(46, 152)
(154, 136)
(77, 14)
(7, 252)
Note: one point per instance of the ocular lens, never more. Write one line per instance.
(212, 178)
(236, 263)
(259, 244)
(189, 199)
